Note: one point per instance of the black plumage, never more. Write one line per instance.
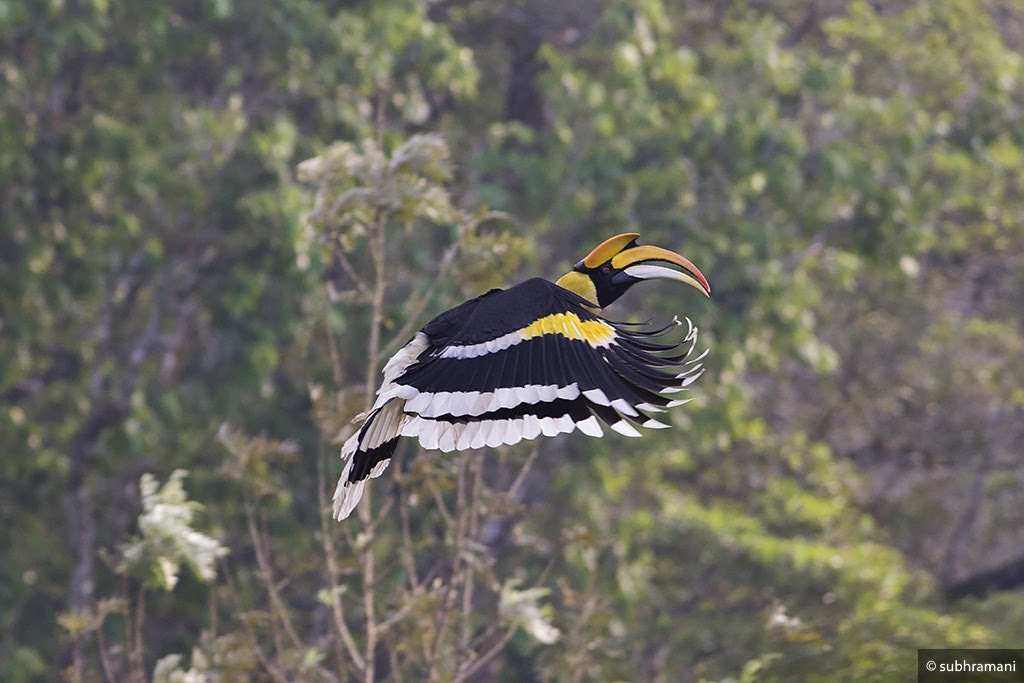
(534, 359)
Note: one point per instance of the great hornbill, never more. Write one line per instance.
(534, 359)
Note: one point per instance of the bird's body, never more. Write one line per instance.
(534, 359)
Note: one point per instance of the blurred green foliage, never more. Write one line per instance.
(226, 212)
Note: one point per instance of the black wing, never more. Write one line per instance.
(535, 359)
(516, 364)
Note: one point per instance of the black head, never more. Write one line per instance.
(618, 263)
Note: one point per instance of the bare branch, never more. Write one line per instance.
(332, 346)
(958, 540)
(379, 253)
(419, 303)
(403, 511)
(369, 579)
(461, 525)
(486, 657)
(394, 618)
(330, 555)
(138, 652)
(357, 280)
(513, 491)
(439, 501)
(268, 666)
(1004, 577)
(476, 466)
(277, 605)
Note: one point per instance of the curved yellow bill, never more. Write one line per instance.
(609, 248)
(635, 262)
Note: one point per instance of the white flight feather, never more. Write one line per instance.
(410, 414)
(590, 426)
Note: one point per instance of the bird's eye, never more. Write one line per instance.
(606, 269)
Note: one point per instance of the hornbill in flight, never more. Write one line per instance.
(534, 359)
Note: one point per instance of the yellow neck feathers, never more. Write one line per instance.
(580, 284)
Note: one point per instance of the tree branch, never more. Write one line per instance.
(1005, 577)
(330, 555)
(960, 535)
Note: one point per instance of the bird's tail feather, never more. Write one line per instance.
(367, 454)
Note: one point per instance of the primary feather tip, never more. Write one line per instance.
(347, 494)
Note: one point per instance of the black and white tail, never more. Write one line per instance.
(368, 452)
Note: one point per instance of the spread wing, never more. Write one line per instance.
(516, 364)
(535, 360)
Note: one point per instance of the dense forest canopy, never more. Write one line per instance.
(218, 219)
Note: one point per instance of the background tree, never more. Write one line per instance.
(848, 175)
